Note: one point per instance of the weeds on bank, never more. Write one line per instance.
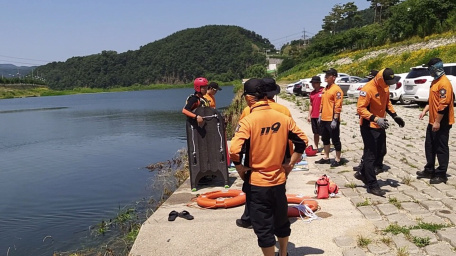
(363, 241)
(395, 202)
(350, 185)
(421, 241)
(402, 251)
(418, 241)
(365, 203)
(386, 240)
(407, 180)
(120, 232)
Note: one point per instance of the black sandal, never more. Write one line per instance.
(186, 215)
(172, 215)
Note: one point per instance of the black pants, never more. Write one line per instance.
(268, 211)
(374, 149)
(379, 160)
(246, 189)
(436, 144)
(328, 133)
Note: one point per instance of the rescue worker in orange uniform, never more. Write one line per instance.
(329, 120)
(197, 99)
(212, 89)
(373, 104)
(244, 221)
(441, 119)
(266, 132)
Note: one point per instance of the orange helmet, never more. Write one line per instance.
(310, 151)
(200, 81)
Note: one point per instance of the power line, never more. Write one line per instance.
(25, 58)
(13, 61)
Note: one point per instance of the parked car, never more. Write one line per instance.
(295, 88)
(309, 88)
(304, 82)
(418, 82)
(344, 82)
(290, 88)
(353, 91)
(397, 90)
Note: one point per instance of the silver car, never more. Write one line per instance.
(345, 82)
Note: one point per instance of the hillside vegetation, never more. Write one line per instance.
(223, 53)
(396, 25)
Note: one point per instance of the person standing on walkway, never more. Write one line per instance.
(441, 119)
(329, 120)
(373, 104)
(378, 165)
(265, 132)
(197, 99)
(244, 221)
(314, 108)
(212, 89)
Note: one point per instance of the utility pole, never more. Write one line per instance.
(304, 37)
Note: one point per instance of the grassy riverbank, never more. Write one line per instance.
(116, 234)
(9, 91)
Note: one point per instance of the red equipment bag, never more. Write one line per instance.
(322, 187)
(310, 151)
(333, 188)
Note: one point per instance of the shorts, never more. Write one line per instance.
(269, 214)
(315, 126)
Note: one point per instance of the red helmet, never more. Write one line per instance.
(310, 151)
(200, 81)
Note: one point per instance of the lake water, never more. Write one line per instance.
(68, 162)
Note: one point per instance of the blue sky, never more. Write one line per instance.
(37, 32)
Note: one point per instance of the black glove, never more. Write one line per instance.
(383, 123)
(334, 123)
(399, 121)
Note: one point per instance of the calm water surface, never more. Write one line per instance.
(68, 162)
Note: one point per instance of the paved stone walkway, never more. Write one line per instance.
(408, 201)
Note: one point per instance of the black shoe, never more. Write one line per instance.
(360, 177)
(376, 191)
(336, 164)
(378, 170)
(357, 168)
(438, 180)
(278, 254)
(424, 174)
(323, 161)
(243, 224)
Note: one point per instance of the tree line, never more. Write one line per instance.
(346, 28)
(222, 53)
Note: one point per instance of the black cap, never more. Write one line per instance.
(272, 87)
(433, 61)
(214, 85)
(389, 77)
(253, 86)
(315, 79)
(331, 72)
(372, 73)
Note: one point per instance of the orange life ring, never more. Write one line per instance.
(300, 199)
(218, 199)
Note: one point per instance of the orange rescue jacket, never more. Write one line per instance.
(441, 99)
(211, 99)
(331, 102)
(266, 132)
(374, 101)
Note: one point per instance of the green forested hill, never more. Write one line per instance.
(218, 52)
